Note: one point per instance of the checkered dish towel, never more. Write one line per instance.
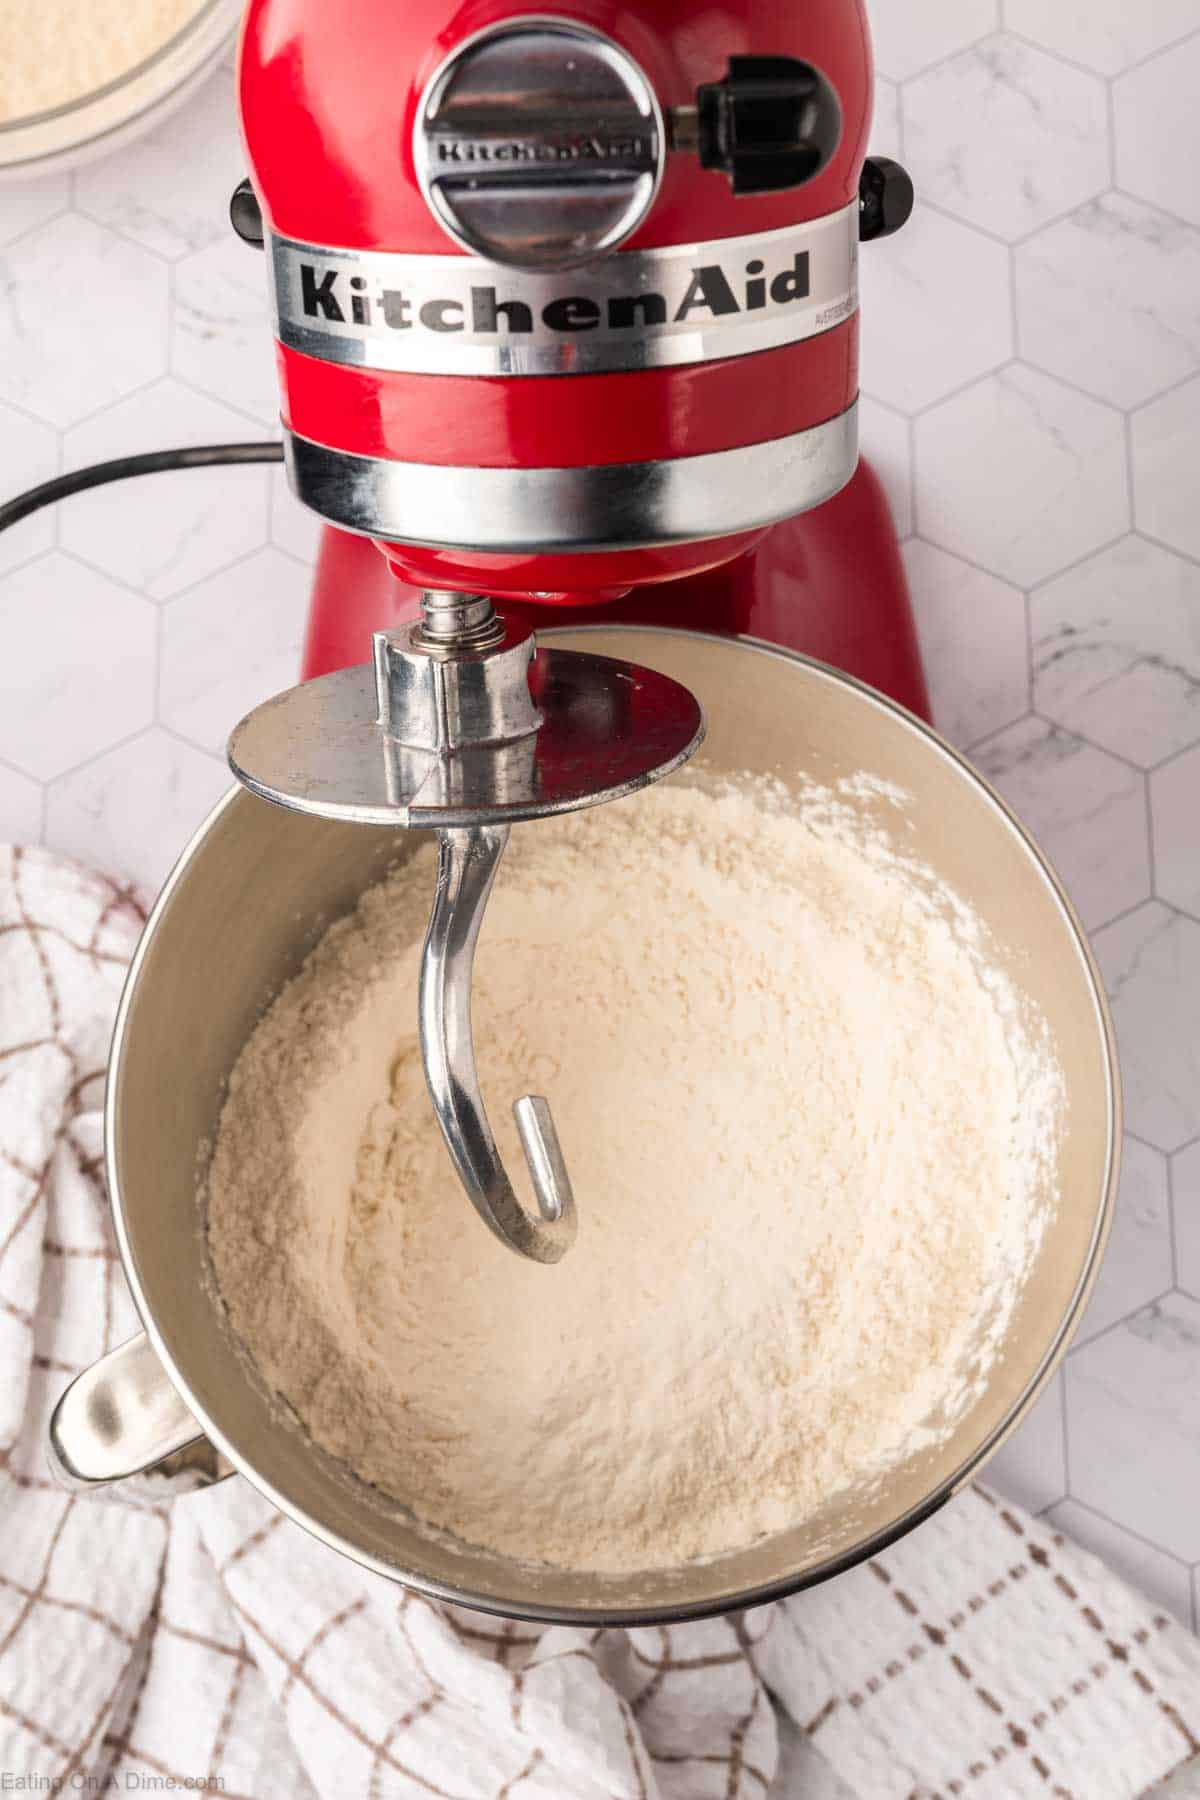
(208, 1642)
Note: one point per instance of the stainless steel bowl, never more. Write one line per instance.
(247, 902)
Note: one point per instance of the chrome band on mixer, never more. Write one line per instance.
(594, 507)
(636, 309)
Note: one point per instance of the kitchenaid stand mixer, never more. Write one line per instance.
(566, 307)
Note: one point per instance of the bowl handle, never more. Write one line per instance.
(121, 1420)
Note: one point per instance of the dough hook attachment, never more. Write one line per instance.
(467, 863)
(465, 727)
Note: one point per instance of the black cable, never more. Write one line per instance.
(151, 462)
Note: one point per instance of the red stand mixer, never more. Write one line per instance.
(567, 322)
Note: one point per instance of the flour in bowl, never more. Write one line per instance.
(53, 52)
(812, 1132)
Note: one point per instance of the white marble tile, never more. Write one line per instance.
(1116, 651)
(230, 643)
(936, 311)
(78, 669)
(1086, 810)
(163, 532)
(25, 204)
(1007, 137)
(885, 122)
(1106, 35)
(908, 38)
(1032, 1467)
(1166, 454)
(20, 808)
(221, 332)
(972, 634)
(1161, 1578)
(884, 442)
(1022, 475)
(1109, 299)
(293, 527)
(1185, 1205)
(170, 190)
(1134, 1428)
(1151, 968)
(1175, 817)
(59, 359)
(131, 811)
(28, 455)
(1139, 1264)
(1157, 130)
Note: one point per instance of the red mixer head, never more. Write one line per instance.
(567, 302)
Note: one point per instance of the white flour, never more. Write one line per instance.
(55, 51)
(810, 1130)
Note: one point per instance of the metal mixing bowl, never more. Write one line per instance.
(249, 899)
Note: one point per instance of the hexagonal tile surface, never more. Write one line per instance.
(1007, 137)
(1166, 440)
(69, 692)
(884, 442)
(20, 808)
(1185, 1201)
(1151, 968)
(972, 633)
(1116, 651)
(165, 531)
(885, 122)
(230, 643)
(58, 367)
(28, 455)
(31, 203)
(1162, 1578)
(170, 191)
(1087, 811)
(1131, 1417)
(1022, 475)
(221, 332)
(1138, 1265)
(1107, 35)
(1175, 814)
(1110, 300)
(1158, 129)
(131, 811)
(293, 527)
(908, 38)
(937, 299)
(1032, 1467)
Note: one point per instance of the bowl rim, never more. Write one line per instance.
(781, 1587)
(43, 143)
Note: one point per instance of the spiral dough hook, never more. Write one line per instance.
(467, 863)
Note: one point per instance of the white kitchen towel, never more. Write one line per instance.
(208, 1643)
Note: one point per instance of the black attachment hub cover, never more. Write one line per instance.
(773, 122)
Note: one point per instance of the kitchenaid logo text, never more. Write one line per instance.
(448, 152)
(633, 309)
(711, 292)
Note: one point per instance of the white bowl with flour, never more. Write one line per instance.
(80, 80)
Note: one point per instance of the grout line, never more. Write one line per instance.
(1118, 1525)
(1153, 55)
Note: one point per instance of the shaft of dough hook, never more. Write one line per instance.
(467, 863)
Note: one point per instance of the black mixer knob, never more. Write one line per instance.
(773, 122)
(885, 198)
(245, 215)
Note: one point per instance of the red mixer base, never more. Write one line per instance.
(829, 583)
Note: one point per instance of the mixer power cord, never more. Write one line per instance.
(122, 468)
